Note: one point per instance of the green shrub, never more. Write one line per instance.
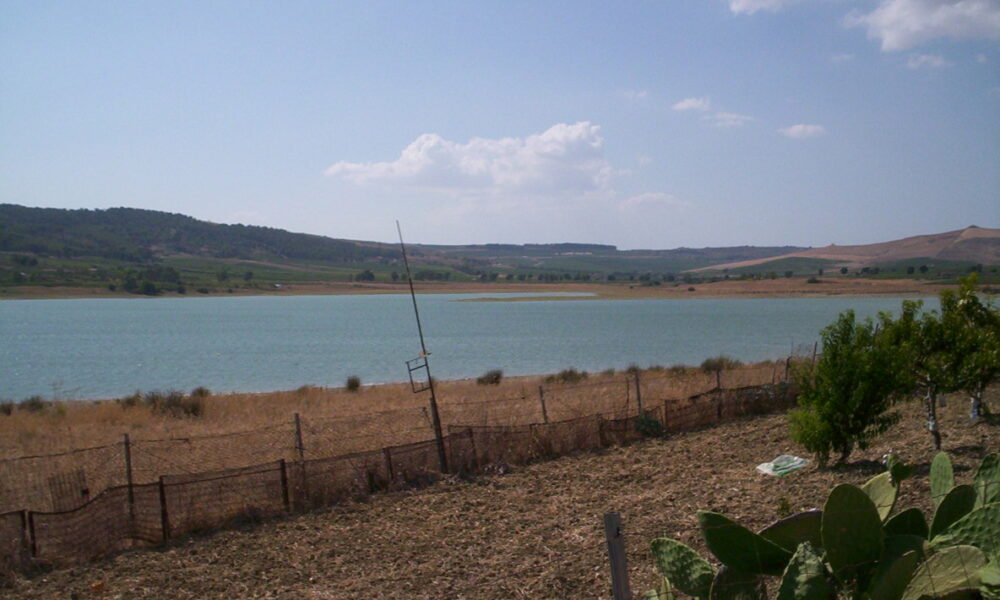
(492, 377)
(201, 392)
(130, 401)
(649, 427)
(570, 375)
(174, 404)
(33, 404)
(6, 408)
(719, 363)
(846, 394)
(353, 383)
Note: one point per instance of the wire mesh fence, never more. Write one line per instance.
(81, 505)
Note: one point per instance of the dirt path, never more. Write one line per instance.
(532, 533)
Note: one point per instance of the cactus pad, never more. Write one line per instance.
(980, 528)
(792, 531)
(908, 522)
(805, 576)
(739, 548)
(890, 582)
(734, 585)
(683, 567)
(951, 570)
(882, 492)
(852, 532)
(987, 480)
(942, 478)
(959, 502)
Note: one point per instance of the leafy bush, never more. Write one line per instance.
(130, 401)
(569, 375)
(353, 383)
(855, 547)
(649, 427)
(6, 408)
(846, 394)
(201, 392)
(174, 404)
(719, 363)
(492, 377)
(33, 404)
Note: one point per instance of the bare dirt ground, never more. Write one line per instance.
(535, 532)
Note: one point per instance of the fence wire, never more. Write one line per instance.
(183, 486)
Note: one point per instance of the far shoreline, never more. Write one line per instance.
(732, 288)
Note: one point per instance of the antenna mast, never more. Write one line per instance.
(421, 363)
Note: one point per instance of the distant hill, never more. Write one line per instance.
(970, 245)
(145, 251)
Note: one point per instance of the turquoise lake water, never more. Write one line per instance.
(104, 348)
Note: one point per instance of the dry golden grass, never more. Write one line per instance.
(373, 417)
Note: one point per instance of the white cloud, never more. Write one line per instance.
(926, 61)
(728, 119)
(749, 7)
(652, 200)
(564, 159)
(635, 95)
(841, 58)
(802, 131)
(699, 104)
(903, 24)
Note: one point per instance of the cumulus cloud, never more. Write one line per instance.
(652, 199)
(564, 158)
(728, 119)
(926, 61)
(699, 104)
(903, 24)
(749, 7)
(802, 131)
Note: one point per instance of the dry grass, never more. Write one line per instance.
(533, 533)
(385, 412)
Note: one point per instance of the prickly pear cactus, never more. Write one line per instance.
(942, 478)
(949, 571)
(987, 481)
(989, 580)
(890, 582)
(956, 504)
(683, 567)
(739, 548)
(908, 522)
(882, 492)
(731, 584)
(792, 531)
(980, 528)
(852, 532)
(805, 577)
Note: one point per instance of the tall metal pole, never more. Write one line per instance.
(435, 417)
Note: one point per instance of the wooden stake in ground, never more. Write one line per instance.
(620, 589)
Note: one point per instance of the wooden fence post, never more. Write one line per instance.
(284, 486)
(620, 589)
(128, 477)
(388, 463)
(164, 516)
(26, 534)
(300, 451)
(299, 446)
(33, 543)
(638, 393)
(541, 399)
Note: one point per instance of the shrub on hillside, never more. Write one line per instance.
(353, 383)
(492, 377)
(174, 404)
(33, 404)
(569, 375)
(6, 407)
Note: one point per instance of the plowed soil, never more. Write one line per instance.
(531, 532)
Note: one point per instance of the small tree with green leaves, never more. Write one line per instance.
(845, 395)
(974, 327)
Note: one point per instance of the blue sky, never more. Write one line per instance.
(644, 124)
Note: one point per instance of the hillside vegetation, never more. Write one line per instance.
(134, 251)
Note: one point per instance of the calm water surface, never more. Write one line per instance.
(111, 347)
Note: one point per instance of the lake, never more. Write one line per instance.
(101, 348)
